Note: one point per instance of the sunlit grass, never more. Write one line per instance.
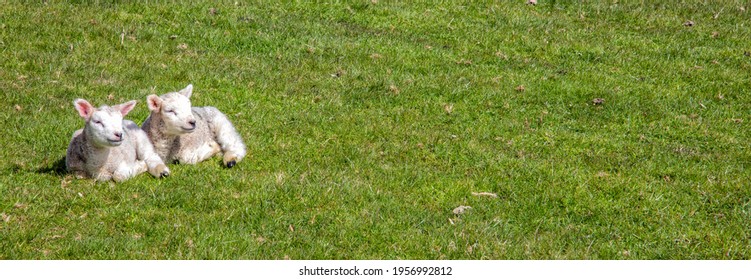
(368, 122)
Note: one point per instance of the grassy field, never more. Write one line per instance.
(368, 122)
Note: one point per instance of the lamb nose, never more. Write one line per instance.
(119, 135)
(193, 123)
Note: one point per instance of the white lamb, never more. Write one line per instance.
(109, 147)
(188, 134)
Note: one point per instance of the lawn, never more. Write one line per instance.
(606, 130)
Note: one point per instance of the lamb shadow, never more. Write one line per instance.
(57, 168)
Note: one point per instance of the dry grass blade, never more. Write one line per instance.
(488, 194)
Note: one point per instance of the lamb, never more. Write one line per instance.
(184, 134)
(109, 147)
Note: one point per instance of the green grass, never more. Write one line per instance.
(353, 153)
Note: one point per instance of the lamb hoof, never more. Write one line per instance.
(229, 160)
(161, 171)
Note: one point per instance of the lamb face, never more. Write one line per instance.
(104, 125)
(175, 111)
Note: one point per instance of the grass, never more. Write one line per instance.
(367, 123)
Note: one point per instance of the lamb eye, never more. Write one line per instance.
(171, 112)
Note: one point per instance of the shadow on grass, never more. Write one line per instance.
(57, 168)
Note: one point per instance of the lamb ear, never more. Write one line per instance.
(154, 103)
(84, 108)
(125, 107)
(187, 91)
